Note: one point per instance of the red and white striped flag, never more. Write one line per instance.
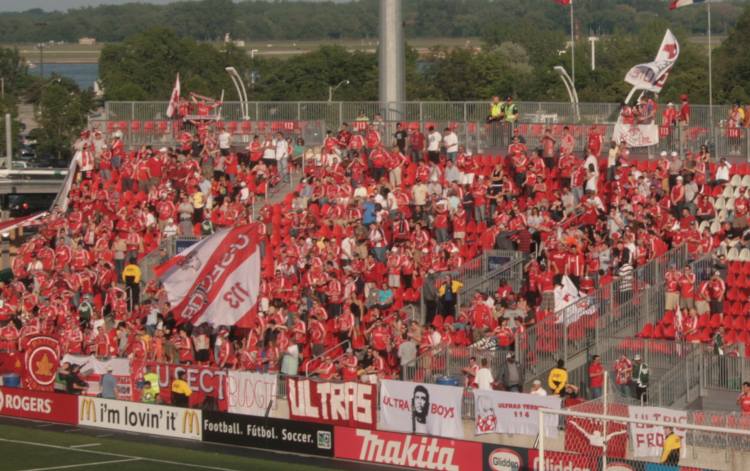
(683, 3)
(174, 99)
(216, 280)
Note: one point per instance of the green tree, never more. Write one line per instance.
(732, 62)
(62, 116)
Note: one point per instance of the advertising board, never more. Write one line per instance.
(38, 405)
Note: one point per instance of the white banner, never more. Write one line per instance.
(647, 440)
(652, 75)
(251, 393)
(92, 365)
(636, 135)
(513, 413)
(173, 422)
(421, 408)
(215, 280)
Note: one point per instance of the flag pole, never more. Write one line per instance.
(573, 46)
(710, 75)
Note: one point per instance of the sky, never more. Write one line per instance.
(50, 5)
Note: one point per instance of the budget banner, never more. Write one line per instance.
(251, 393)
(351, 404)
(374, 446)
(39, 405)
(123, 416)
(513, 413)
(270, 434)
(647, 440)
(421, 408)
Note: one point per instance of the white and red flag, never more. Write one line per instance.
(683, 3)
(174, 99)
(216, 280)
(651, 76)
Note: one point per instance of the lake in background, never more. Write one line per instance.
(83, 74)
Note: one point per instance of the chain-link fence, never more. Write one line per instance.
(622, 434)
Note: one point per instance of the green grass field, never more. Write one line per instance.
(35, 449)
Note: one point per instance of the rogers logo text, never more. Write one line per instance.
(16, 402)
(425, 454)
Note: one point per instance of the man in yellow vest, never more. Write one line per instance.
(131, 275)
(151, 386)
(496, 110)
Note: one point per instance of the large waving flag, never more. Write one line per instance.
(216, 280)
(683, 3)
(564, 2)
(174, 99)
(651, 76)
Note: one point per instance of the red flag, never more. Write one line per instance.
(174, 100)
(563, 2)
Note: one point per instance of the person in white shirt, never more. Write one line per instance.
(722, 171)
(225, 142)
(434, 139)
(282, 155)
(537, 389)
(450, 141)
(484, 378)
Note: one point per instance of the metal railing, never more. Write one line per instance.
(334, 113)
(610, 309)
(476, 134)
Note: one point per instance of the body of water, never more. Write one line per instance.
(83, 74)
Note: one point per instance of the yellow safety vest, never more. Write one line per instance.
(496, 110)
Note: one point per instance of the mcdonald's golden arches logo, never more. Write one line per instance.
(190, 422)
(88, 410)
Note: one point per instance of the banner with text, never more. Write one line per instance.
(412, 451)
(351, 404)
(174, 422)
(513, 413)
(270, 434)
(39, 405)
(647, 440)
(636, 135)
(421, 408)
(208, 384)
(251, 393)
(92, 369)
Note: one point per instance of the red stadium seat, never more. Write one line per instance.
(135, 126)
(247, 127)
(148, 126)
(647, 331)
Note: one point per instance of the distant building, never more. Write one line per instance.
(87, 41)
(239, 43)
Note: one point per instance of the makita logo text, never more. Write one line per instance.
(422, 453)
(25, 403)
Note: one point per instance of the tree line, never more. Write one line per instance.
(143, 67)
(209, 20)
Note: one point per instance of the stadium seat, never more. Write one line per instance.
(647, 331)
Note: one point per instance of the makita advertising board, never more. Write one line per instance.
(39, 405)
(271, 434)
(413, 451)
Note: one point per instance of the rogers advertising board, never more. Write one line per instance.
(39, 405)
(413, 451)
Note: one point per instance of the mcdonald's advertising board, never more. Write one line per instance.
(166, 421)
(39, 405)
(267, 433)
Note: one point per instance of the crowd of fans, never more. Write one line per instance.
(378, 220)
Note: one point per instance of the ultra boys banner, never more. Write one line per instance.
(421, 408)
